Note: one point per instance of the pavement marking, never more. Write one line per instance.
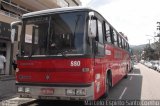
(135, 74)
(131, 78)
(123, 93)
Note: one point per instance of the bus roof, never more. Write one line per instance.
(55, 10)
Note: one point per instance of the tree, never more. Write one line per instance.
(150, 53)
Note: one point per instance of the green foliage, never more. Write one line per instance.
(150, 53)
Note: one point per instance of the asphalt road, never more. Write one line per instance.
(7, 89)
(142, 84)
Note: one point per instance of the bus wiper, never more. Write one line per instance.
(57, 49)
(62, 52)
(66, 51)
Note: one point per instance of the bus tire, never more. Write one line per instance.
(108, 86)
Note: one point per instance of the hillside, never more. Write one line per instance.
(138, 47)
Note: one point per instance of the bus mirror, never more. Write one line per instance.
(13, 32)
(92, 29)
(91, 14)
(92, 25)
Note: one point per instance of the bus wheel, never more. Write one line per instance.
(109, 83)
(108, 86)
(126, 76)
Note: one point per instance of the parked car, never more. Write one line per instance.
(153, 62)
(158, 68)
(155, 66)
(148, 64)
(142, 61)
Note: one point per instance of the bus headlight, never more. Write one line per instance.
(80, 92)
(20, 89)
(27, 90)
(70, 92)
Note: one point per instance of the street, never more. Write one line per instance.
(7, 89)
(142, 84)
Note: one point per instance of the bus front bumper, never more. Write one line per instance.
(56, 92)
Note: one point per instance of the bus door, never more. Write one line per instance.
(99, 54)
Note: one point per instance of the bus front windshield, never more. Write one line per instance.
(53, 34)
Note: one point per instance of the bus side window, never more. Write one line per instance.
(112, 35)
(123, 45)
(107, 33)
(120, 41)
(126, 48)
(100, 43)
(115, 38)
(100, 32)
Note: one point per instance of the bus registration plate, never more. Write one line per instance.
(47, 91)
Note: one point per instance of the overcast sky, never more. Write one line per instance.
(135, 18)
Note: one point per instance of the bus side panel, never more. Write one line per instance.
(112, 63)
(118, 60)
(99, 77)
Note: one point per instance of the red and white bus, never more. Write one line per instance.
(69, 53)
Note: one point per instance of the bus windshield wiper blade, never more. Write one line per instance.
(62, 52)
(66, 51)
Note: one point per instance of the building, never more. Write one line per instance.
(11, 10)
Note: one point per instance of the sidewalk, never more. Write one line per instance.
(7, 77)
(16, 101)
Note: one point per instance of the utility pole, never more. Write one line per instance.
(158, 26)
(154, 40)
(158, 35)
(149, 43)
(158, 29)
